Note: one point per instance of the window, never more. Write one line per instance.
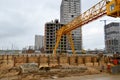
(72, 16)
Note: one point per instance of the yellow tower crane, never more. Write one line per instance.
(109, 7)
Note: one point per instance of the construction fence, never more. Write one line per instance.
(49, 60)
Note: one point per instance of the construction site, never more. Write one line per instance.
(57, 63)
(40, 67)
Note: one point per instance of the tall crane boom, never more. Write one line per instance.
(111, 8)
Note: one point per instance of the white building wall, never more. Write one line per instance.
(69, 10)
(39, 42)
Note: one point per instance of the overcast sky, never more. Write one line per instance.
(21, 20)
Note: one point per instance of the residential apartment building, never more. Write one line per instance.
(50, 37)
(112, 37)
(39, 42)
(69, 10)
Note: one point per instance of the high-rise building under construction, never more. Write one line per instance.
(50, 37)
(69, 10)
(112, 37)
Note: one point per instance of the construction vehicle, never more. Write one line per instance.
(104, 7)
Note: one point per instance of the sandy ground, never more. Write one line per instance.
(90, 74)
(102, 76)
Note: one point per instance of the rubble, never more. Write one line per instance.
(42, 70)
(29, 68)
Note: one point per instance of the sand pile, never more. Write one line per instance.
(4, 64)
(30, 77)
(8, 71)
(91, 71)
(5, 67)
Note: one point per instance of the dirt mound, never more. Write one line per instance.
(91, 71)
(4, 64)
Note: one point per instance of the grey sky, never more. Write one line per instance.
(20, 20)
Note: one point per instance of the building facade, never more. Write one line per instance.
(50, 37)
(69, 10)
(112, 37)
(39, 42)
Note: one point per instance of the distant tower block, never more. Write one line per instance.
(39, 42)
(68, 11)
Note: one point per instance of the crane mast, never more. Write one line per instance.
(98, 10)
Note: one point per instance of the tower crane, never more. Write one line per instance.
(104, 7)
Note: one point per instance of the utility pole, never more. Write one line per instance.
(104, 22)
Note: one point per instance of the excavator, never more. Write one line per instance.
(105, 7)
